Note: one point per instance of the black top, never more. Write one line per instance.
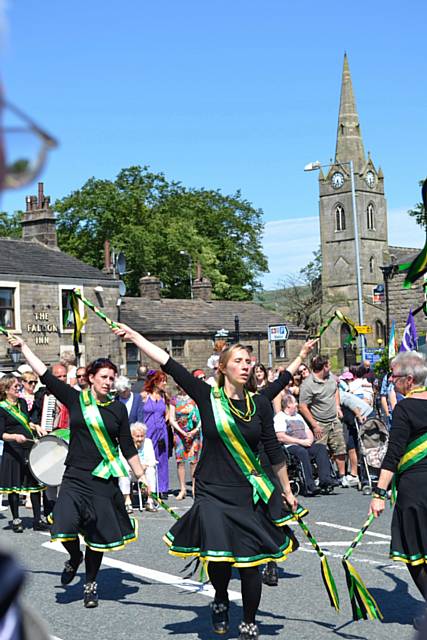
(9, 424)
(274, 388)
(216, 464)
(83, 452)
(409, 422)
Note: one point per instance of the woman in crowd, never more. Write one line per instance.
(18, 433)
(89, 500)
(132, 401)
(406, 457)
(29, 383)
(145, 450)
(184, 418)
(261, 376)
(68, 360)
(155, 416)
(237, 518)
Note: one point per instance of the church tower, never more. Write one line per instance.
(337, 232)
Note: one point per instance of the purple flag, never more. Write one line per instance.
(409, 339)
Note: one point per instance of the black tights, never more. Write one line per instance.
(220, 575)
(93, 559)
(419, 576)
(13, 499)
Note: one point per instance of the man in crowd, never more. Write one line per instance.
(82, 379)
(141, 374)
(319, 404)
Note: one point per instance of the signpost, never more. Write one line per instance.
(378, 294)
(363, 328)
(276, 333)
(373, 355)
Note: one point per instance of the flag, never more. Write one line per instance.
(409, 340)
(418, 266)
(392, 343)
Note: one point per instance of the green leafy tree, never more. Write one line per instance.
(419, 212)
(151, 220)
(10, 225)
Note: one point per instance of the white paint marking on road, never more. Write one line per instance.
(343, 528)
(156, 576)
(347, 543)
(397, 566)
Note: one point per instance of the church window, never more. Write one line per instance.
(339, 218)
(379, 331)
(371, 264)
(370, 216)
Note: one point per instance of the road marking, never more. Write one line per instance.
(156, 576)
(383, 563)
(347, 543)
(343, 528)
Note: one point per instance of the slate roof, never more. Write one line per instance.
(198, 317)
(32, 258)
(403, 254)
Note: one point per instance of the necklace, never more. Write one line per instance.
(242, 415)
(416, 390)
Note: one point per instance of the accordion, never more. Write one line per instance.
(54, 414)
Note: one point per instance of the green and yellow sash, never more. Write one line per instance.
(415, 451)
(238, 447)
(111, 465)
(15, 412)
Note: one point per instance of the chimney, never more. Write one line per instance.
(107, 268)
(38, 221)
(149, 287)
(202, 287)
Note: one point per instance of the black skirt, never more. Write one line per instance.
(224, 525)
(94, 508)
(15, 474)
(409, 522)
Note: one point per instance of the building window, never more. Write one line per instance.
(65, 310)
(370, 216)
(281, 351)
(379, 331)
(339, 218)
(132, 360)
(177, 347)
(371, 264)
(7, 307)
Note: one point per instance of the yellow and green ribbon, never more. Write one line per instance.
(338, 315)
(238, 447)
(78, 294)
(111, 465)
(16, 413)
(415, 451)
(79, 320)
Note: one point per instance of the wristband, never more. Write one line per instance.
(378, 497)
(381, 493)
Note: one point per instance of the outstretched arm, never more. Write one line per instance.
(274, 388)
(34, 361)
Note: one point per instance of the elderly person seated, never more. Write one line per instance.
(146, 454)
(132, 401)
(293, 431)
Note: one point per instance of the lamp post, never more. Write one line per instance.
(190, 267)
(315, 166)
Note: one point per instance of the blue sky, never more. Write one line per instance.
(228, 94)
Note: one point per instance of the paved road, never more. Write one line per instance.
(144, 596)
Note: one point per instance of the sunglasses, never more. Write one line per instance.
(31, 382)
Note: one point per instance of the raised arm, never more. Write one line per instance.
(148, 348)
(274, 388)
(32, 360)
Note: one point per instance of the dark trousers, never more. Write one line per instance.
(319, 453)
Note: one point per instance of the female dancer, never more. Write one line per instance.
(90, 501)
(237, 518)
(184, 418)
(407, 458)
(155, 415)
(17, 433)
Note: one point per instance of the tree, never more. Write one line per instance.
(10, 225)
(419, 212)
(151, 220)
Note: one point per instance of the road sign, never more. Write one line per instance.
(373, 355)
(278, 332)
(378, 293)
(363, 328)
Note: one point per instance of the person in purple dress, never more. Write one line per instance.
(155, 417)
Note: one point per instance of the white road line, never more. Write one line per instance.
(156, 576)
(343, 528)
(383, 563)
(347, 543)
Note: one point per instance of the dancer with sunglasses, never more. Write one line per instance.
(90, 501)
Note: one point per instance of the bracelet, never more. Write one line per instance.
(378, 497)
(382, 493)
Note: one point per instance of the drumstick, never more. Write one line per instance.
(95, 309)
(139, 497)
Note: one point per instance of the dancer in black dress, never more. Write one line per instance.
(406, 458)
(18, 435)
(238, 516)
(90, 502)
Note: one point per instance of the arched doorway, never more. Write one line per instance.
(349, 349)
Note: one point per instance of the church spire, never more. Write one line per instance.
(349, 138)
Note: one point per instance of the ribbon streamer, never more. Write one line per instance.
(418, 266)
(4, 331)
(338, 315)
(79, 322)
(362, 602)
(164, 506)
(327, 577)
(95, 309)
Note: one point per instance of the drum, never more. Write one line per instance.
(47, 457)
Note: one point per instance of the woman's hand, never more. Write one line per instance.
(40, 430)
(125, 333)
(15, 341)
(290, 499)
(308, 348)
(376, 507)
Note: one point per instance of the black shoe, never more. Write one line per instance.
(270, 574)
(17, 525)
(248, 631)
(163, 496)
(312, 493)
(40, 525)
(219, 613)
(70, 571)
(327, 489)
(90, 598)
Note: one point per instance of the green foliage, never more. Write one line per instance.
(10, 225)
(151, 220)
(419, 212)
(382, 366)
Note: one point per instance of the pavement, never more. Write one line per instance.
(143, 594)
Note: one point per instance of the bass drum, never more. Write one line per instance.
(47, 457)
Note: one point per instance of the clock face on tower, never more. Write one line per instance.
(337, 180)
(370, 179)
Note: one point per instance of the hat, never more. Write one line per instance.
(198, 373)
(16, 374)
(24, 368)
(347, 375)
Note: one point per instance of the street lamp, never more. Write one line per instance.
(190, 267)
(315, 166)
